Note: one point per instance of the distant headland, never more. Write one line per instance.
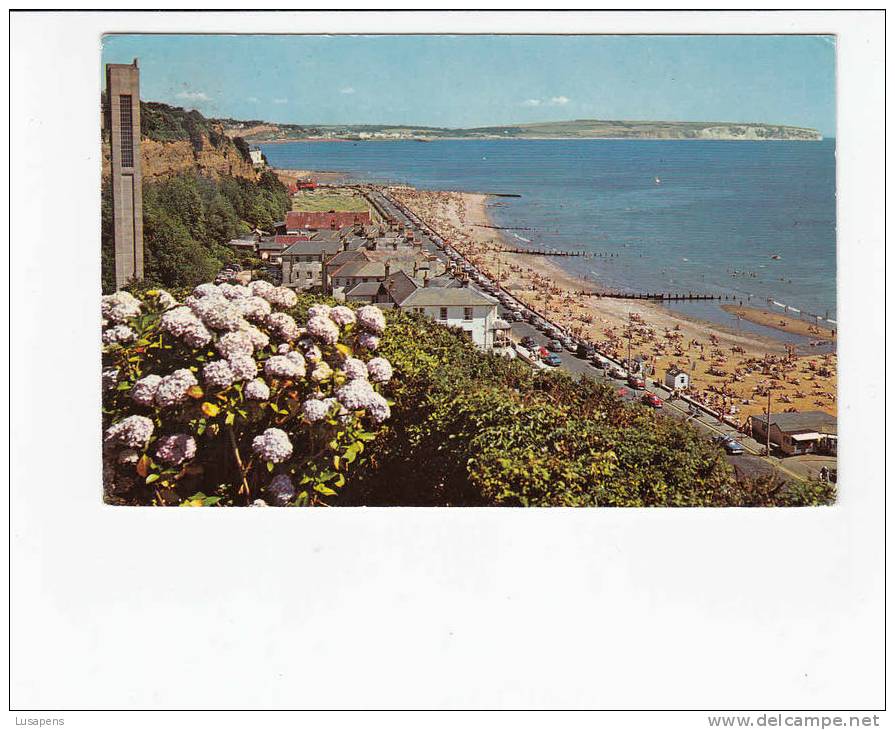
(260, 131)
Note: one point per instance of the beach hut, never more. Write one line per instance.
(676, 379)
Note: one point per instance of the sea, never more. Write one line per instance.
(753, 221)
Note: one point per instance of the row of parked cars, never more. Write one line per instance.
(557, 342)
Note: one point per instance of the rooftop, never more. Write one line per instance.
(440, 296)
(805, 421)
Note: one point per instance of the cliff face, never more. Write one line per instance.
(164, 159)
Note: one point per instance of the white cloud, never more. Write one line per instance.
(280, 100)
(532, 102)
(347, 90)
(559, 100)
(252, 99)
(193, 96)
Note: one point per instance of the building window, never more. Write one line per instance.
(308, 275)
(467, 313)
(442, 313)
(127, 131)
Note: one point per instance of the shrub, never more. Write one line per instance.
(215, 401)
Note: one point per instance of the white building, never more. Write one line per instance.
(257, 157)
(676, 379)
(461, 307)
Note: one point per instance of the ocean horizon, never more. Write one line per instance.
(750, 220)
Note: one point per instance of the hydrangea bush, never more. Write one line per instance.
(229, 396)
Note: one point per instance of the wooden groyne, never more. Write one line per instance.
(503, 228)
(659, 296)
(545, 252)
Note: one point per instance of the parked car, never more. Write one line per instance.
(554, 346)
(553, 360)
(543, 353)
(598, 362)
(585, 350)
(569, 343)
(514, 317)
(528, 342)
(729, 444)
(528, 316)
(636, 383)
(651, 399)
(616, 372)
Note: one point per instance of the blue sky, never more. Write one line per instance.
(463, 81)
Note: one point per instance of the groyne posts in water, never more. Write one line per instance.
(659, 296)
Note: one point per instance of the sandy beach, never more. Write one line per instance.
(731, 371)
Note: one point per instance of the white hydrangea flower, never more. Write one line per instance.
(273, 445)
(110, 378)
(316, 409)
(323, 329)
(257, 390)
(284, 348)
(173, 388)
(281, 490)
(355, 369)
(380, 370)
(133, 431)
(367, 341)
(120, 306)
(319, 310)
(183, 324)
(259, 287)
(235, 343)
(321, 372)
(283, 325)
(371, 318)
(218, 314)
(253, 308)
(355, 394)
(217, 373)
(258, 503)
(143, 391)
(298, 359)
(342, 315)
(243, 367)
(283, 367)
(259, 339)
(207, 290)
(234, 291)
(120, 334)
(176, 449)
(280, 296)
(377, 409)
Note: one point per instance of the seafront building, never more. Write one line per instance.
(808, 432)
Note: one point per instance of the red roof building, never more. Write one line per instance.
(301, 220)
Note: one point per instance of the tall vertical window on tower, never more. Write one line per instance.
(127, 131)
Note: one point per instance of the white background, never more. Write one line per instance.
(116, 608)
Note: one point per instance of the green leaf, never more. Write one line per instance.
(151, 478)
(324, 490)
(230, 418)
(269, 466)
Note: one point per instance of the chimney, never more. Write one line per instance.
(416, 267)
(395, 244)
(387, 269)
(345, 244)
(426, 278)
